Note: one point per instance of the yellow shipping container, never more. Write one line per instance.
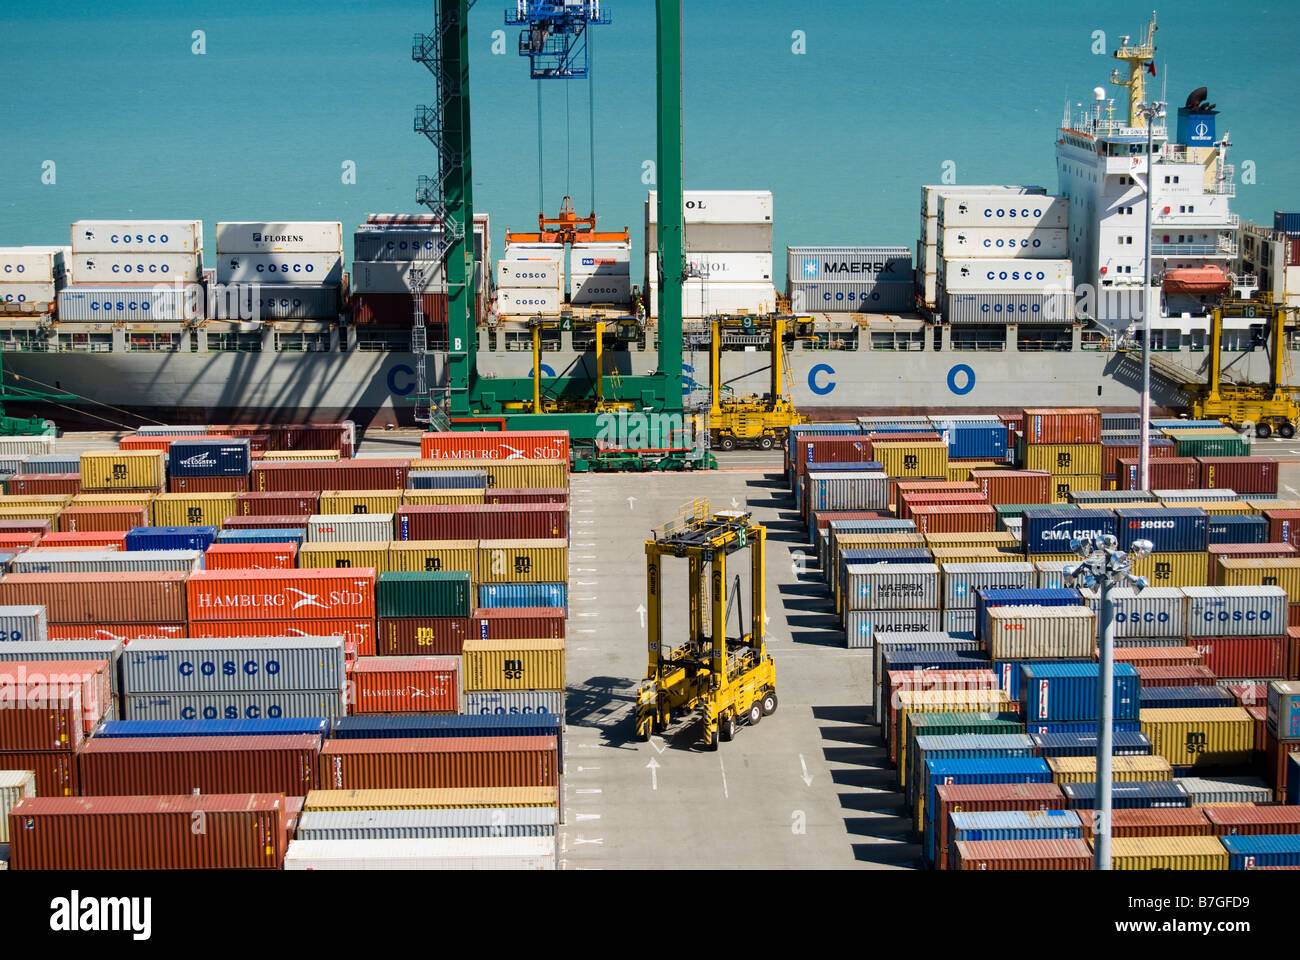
(1262, 572)
(960, 472)
(1065, 459)
(509, 474)
(35, 500)
(1212, 506)
(1048, 557)
(523, 561)
(1166, 853)
(1003, 539)
(115, 469)
(1004, 554)
(442, 798)
(1065, 484)
(413, 497)
(365, 553)
(31, 512)
(437, 555)
(300, 455)
(360, 501)
(513, 664)
(1125, 769)
(192, 509)
(1201, 737)
(912, 460)
(1260, 506)
(1173, 569)
(112, 499)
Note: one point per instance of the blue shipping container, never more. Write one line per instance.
(1288, 223)
(267, 535)
(1050, 529)
(1079, 726)
(1238, 528)
(1057, 597)
(986, 441)
(1186, 698)
(1145, 793)
(1170, 529)
(261, 727)
(1013, 770)
(1068, 691)
(209, 458)
(960, 746)
(1263, 850)
(1016, 825)
(170, 538)
(1122, 744)
(447, 480)
(496, 595)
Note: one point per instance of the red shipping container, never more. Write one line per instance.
(115, 519)
(1293, 651)
(1259, 713)
(1275, 763)
(1167, 473)
(894, 487)
(1261, 551)
(1014, 486)
(435, 762)
(1283, 526)
(422, 636)
(329, 475)
(481, 521)
(125, 632)
(558, 495)
(286, 503)
(1263, 657)
(1250, 694)
(44, 484)
(1021, 855)
(149, 766)
(1176, 675)
(40, 717)
(87, 540)
(405, 685)
(56, 770)
(830, 448)
(163, 442)
(295, 436)
(251, 556)
(1239, 474)
(154, 596)
(394, 310)
(358, 633)
(897, 681)
(1250, 821)
(1293, 614)
(21, 680)
(207, 484)
(907, 501)
(239, 831)
(1152, 822)
(918, 436)
(26, 526)
(266, 522)
(518, 623)
(961, 518)
(1170, 656)
(1112, 453)
(1062, 425)
(15, 542)
(495, 445)
(953, 798)
(321, 594)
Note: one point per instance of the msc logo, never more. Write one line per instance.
(513, 669)
(1163, 570)
(911, 461)
(432, 563)
(1063, 461)
(1195, 743)
(359, 508)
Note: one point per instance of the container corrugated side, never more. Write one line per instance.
(438, 762)
(14, 786)
(1052, 633)
(489, 702)
(1167, 853)
(1201, 737)
(278, 664)
(481, 853)
(536, 664)
(145, 766)
(411, 824)
(438, 798)
(350, 528)
(274, 594)
(961, 580)
(1241, 611)
(435, 555)
(522, 561)
(1155, 612)
(861, 626)
(887, 586)
(92, 598)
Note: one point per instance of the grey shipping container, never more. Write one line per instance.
(991, 307)
(514, 701)
(85, 304)
(891, 586)
(23, 623)
(1236, 611)
(880, 297)
(242, 665)
(172, 430)
(14, 786)
(291, 302)
(110, 650)
(399, 824)
(1041, 633)
(1203, 790)
(52, 463)
(959, 620)
(853, 265)
(349, 527)
(719, 237)
(105, 561)
(847, 491)
(1192, 496)
(405, 243)
(12, 465)
(1051, 574)
(234, 706)
(961, 580)
(861, 626)
(1155, 612)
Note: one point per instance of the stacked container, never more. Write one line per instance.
(600, 272)
(145, 270)
(31, 278)
(849, 279)
(530, 280)
(1066, 443)
(293, 270)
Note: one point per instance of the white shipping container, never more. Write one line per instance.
(492, 702)
(1018, 242)
(1023, 276)
(519, 302)
(600, 288)
(431, 823)
(349, 527)
(1235, 611)
(961, 580)
(891, 586)
(719, 238)
(292, 268)
(1155, 612)
(28, 292)
(701, 298)
(14, 786)
(535, 251)
(719, 206)
(612, 258)
(530, 274)
(25, 446)
(1040, 633)
(1195, 496)
(290, 302)
(1050, 573)
(145, 267)
(57, 560)
(848, 490)
(997, 211)
(479, 853)
(931, 194)
(234, 665)
(136, 236)
(87, 304)
(861, 626)
(293, 236)
(730, 267)
(31, 264)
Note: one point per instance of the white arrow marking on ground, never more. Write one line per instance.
(588, 614)
(585, 583)
(586, 631)
(654, 776)
(586, 570)
(588, 790)
(658, 744)
(640, 609)
(723, 768)
(735, 503)
(579, 840)
(588, 816)
(584, 521)
(631, 503)
(807, 780)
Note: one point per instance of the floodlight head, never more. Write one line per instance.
(1137, 583)
(1109, 542)
(1141, 548)
(1081, 546)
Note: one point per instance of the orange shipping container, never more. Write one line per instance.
(143, 597)
(119, 518)
(318, 594)
(147, 441)
(908, 501)
(406, 685)
(125, 632)
(358, 634)
(251, 556)
(38, 484)
(495, 445)
(1062, 425)
(87, 539)
(1014, 486)
(437, 762)
(12, 542)
(960, 518)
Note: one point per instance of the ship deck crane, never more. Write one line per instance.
(1137, 56)
(715, 680)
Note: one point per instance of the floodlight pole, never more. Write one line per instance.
(1101, 827)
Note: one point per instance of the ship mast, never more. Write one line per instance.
(1137, 57)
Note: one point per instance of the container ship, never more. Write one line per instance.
(1010, 291)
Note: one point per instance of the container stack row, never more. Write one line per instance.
(31, 278)
(288, 271)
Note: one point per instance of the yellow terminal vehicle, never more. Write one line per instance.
(710, 678)
(757, 420)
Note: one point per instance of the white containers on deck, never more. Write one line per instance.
(294, 236)
(136, 236)
(530, 280)
(1155, 612)
(1235, 611)
(961, 580)
(537, 274)
(891, 586)
(133, 267)
(480, 853)
(963, 275)
(295, 302)
(113, 303)
(932, 195)
(1009, 307)
(32, 264)
(398, 276)
(349, 527)
(848, 490)
(849, 279)
(523, 301)
(600, 272)
(730, 267)
(1040, 633)
(718, 206)
(291, 268)
(995, 210)
(861, 626)
(1018, 242)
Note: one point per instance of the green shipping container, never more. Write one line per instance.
(1216, 446)
(951, 725)
(406, 593)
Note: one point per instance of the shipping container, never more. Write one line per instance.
(483, 521)
(907, 586)
(290, 476)
(251, 556)
(513, 664)
(507, 595)
(438, 762)
(262, 726)
(297, 301)
(1281, 572)
(106, 303)
(117, 469)
(1153, 613)
(514, 474)
(372, 554)
(1238, 529)
(963, 518)
(44, 484)
(1123, 743)
(865, 490)
(169, 765)
(23, 623)
(1169, 529)
(350, 527)
(440, 798)
(158, 707)
(519, 622)
(1243, 474)
(192, 509)
(1243, 656)
(522, 561)
(1262, 852)
(1167, 473)
(406, 685)
(1068, 691)
(1181, 697)
(912, 459)
(1051, 529)
(962, 580)
(861, 626)
(991, 702)
(284, 503)
(1014, 486)
(1124, 769)
(282, 267)
(1054, 633)
(1200, 738)
(959, 676)
(1284, 709)
(204, 457)
(1168, 853)
(1172, 569)
(14, 786)
(447, 479)
(981, 770)
(435, 555)
(413, 824)
(1253, 821)
(244, 665)
(170, 538)
(239, 525)
(1241, 611)
(297, 236)
(358, 635)
(958, 798)
(1128, 794)
(272, 594)
(133, 236)
(490, 702)
(124, 267)
(373, 502)
(93, 598)
(460, 853)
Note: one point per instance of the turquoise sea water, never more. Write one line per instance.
(258, 127)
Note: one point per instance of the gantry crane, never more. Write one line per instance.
(713, 679)
(554, 35)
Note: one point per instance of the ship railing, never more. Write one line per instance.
(1185, 249)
